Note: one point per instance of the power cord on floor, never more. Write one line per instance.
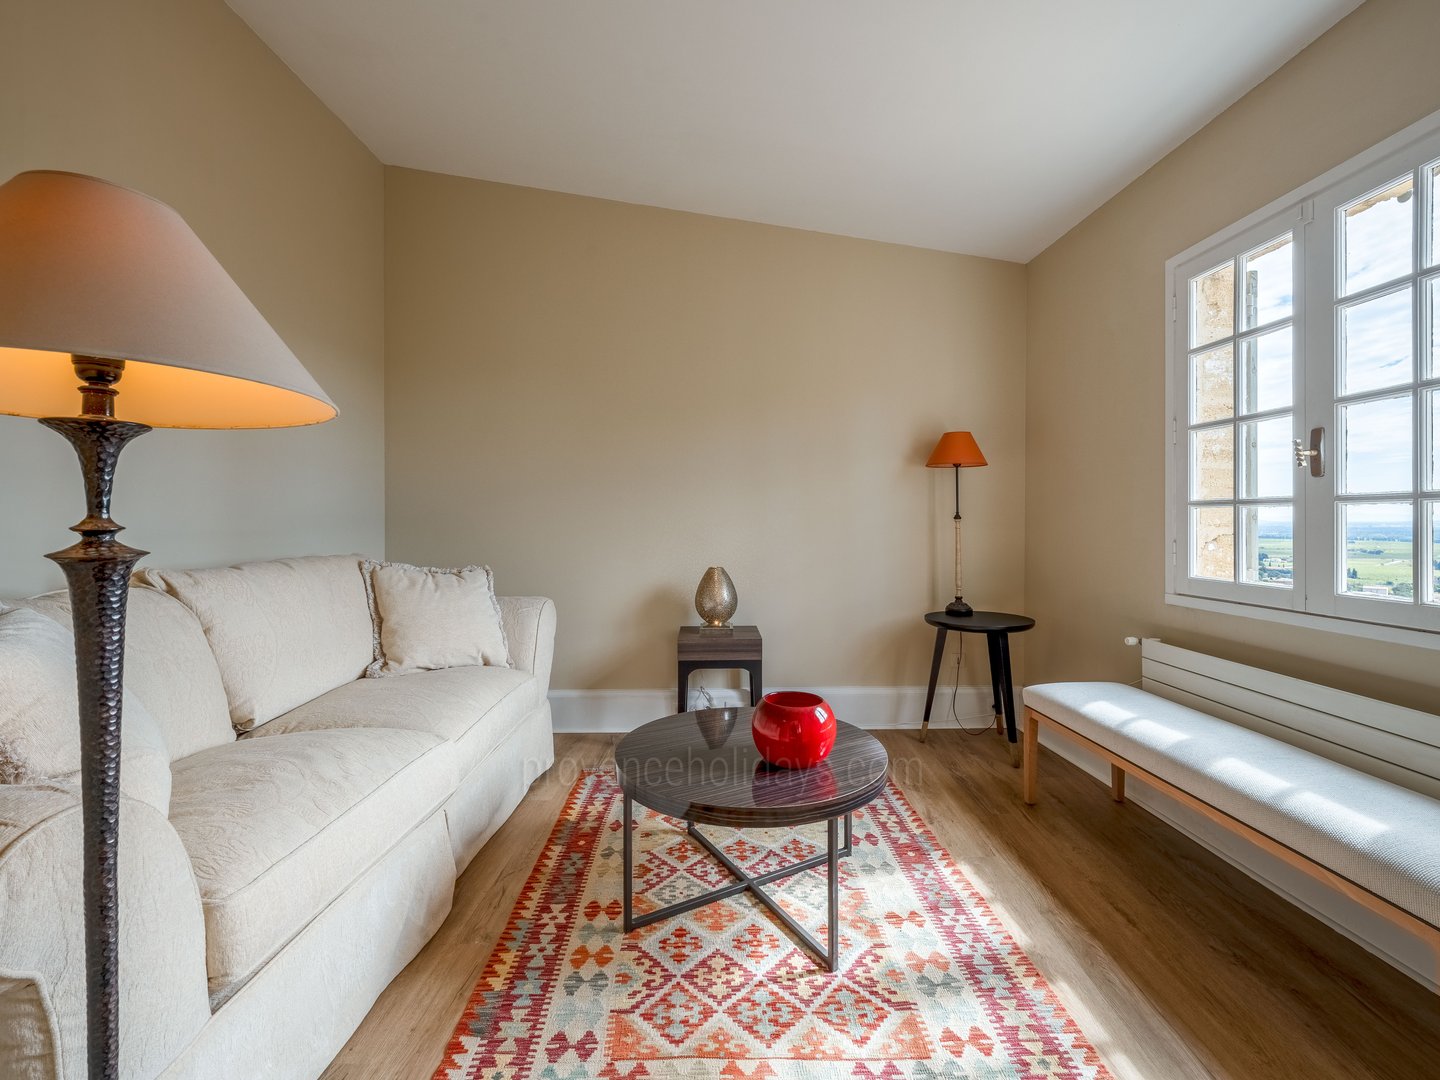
(704, 693)
(955, 693)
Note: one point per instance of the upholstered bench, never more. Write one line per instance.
(1375, 841)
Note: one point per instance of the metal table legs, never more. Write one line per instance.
(834, 852)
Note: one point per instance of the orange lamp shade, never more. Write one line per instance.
(956, 449)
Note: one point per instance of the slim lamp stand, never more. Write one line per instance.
(97, 568)
(958, 606)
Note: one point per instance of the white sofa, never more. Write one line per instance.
(293, 870)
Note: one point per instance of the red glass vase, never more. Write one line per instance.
(793, 729)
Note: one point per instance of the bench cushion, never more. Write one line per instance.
(1377, 834)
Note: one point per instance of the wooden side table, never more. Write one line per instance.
(698, 647)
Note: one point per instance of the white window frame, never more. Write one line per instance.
(1310, 213)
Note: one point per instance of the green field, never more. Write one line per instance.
(1277, 560)
(1377, 564)
(1380, 564)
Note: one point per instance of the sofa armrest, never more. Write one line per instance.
(164, 1001)
(529, 623)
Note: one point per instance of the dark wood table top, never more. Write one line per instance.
(703, 767)
(982, 622)
(707, 643)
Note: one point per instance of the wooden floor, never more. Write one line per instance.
(1175, 964)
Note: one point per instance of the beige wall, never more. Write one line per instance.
(179, 99)
(1095, 383)
(601, 400)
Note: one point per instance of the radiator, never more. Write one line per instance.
(1396, 744)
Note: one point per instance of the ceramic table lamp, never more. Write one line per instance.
(100, 284)
(957, 450)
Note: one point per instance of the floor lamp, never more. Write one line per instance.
(99, 282)
(957, 450)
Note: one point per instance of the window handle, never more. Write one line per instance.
(1315, 455)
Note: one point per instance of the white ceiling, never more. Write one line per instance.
(989, 127)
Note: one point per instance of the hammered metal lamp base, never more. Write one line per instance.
(97, 569)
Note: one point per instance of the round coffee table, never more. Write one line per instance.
(703, 768)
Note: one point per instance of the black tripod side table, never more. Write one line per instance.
(997, 626)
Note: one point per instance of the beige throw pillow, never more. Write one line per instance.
(283, 631)
(427, 618)
(168, 666)
(39, 715)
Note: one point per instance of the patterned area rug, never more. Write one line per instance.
(930, 984)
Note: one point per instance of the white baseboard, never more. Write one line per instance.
(1370, 931)
(863, 706)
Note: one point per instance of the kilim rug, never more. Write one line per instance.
(930, 985)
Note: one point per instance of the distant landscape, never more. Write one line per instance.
(1378, 558)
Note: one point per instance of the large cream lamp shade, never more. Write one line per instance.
(94, 269)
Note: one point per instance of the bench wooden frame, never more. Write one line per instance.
(1121, 767)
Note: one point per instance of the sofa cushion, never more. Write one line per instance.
(426, 618)
(40, 714)
(1375, 833)
(282, 631)
(168, 666)
(473, 707)
(278, 828)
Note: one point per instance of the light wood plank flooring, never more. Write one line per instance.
(1173, 962)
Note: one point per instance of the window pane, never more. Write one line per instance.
(1212, 305)
(1212, 542)
(1375, 446)
(1432, 329)
(1266, 378)
(1268, 541)
(1267, 461)
(1375, 343)
(1378, 242)
(1432, 175)
(1379, 550)
(1212, 385)
(1212, 463)
(1269, 279)
(1432, 436)
(1432, 531)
